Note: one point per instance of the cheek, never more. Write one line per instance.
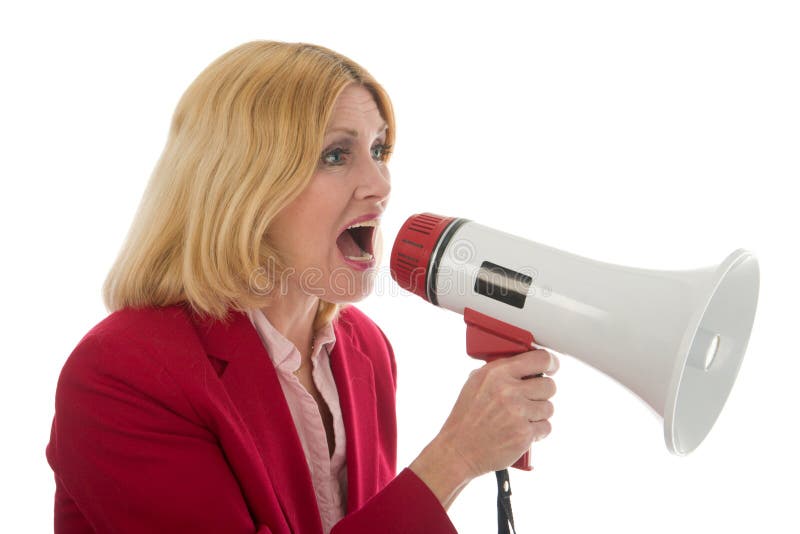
(388, 176)
(297, 233)
(315, 241)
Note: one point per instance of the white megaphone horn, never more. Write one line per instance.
(675, 338)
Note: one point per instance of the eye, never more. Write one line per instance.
(381, 152)
(335, 156)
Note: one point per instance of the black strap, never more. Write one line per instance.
(504, 515)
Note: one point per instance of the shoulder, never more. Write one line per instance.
(152, 325)
(152, 331)
(137, 347)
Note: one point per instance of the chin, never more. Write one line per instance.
(342, 301)
(349, 287)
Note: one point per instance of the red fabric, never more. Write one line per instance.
(165, 423)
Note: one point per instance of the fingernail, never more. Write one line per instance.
(553, 365)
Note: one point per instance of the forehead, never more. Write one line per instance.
(356, 104)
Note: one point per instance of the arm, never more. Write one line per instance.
(497, 415)
(499, 412)
(406, 504)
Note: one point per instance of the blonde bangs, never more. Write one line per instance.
(244, 142)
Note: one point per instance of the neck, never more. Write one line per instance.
(293, 316)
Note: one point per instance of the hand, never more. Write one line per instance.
(500, 411)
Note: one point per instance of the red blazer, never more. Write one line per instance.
(165, 423)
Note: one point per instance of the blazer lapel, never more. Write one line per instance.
(252, 384)
(355, 383)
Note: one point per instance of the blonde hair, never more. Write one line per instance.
(245, 140)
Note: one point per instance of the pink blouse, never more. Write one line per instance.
(328, 472)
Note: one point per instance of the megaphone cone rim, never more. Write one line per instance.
(733, 260)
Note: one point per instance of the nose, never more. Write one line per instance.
(374, 182)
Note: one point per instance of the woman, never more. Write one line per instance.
(231, 389)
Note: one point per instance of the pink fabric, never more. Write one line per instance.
(328, 473)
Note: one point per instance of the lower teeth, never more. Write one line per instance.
(364, 257)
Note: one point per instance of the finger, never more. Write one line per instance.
(540, 411)
(531, 363)
(539, 388)
(540, 429)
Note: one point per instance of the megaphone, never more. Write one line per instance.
(674, 338)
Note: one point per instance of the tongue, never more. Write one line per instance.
(348, 245)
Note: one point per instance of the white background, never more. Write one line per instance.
(661, 135)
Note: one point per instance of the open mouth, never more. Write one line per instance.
(356, 242)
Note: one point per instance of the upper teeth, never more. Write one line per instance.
(373, 223)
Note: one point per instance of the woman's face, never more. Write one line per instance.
(349, 189)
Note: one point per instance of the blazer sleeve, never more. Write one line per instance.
(131, 455)
(406, 504)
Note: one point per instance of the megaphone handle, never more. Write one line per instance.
(524, 462)
(489, 339)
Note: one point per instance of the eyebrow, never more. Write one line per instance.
(354, 133)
